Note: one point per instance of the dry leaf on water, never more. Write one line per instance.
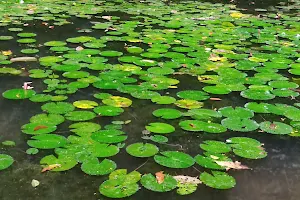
(50, 167)
(160, 177)
(231, 165)
(187, 179)
(215, 99)
(40, 127)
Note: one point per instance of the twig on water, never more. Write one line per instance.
(141, 165)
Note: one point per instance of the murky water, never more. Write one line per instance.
(276, 177)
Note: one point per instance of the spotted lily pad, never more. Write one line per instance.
(108, 111)
(174, 159)
(150, 183)
(142, 150)
(275, 128)
(16, 94)
(218, 180)
(117, 101)
(85, 104)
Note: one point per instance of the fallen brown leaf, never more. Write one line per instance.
(39, 127)
(50, 167)
(187, 179)
(232, 165)
(160, 177)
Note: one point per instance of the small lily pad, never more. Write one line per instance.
(142, 150)
(162, 128)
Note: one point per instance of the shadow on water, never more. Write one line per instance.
(276, 177)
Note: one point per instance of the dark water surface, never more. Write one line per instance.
(277, 177)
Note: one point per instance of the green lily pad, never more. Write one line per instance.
(159, 138)
(8, 143)
(188, 104)
(117, 101)
(275, 128)
(218, 180)
(85, 104)
(111, 53)
(196, 125)
(215, 146)
(47, 119)
(240, 124)
(193, 95)
(32, 151)
(109, 136)
(134, 49)
(186, 188)
(217, 89)
(150, 183)
(80, 39)
(142, 150)
(257, 107)
(208, 162)
(204, 114)
(84, 127)
(47, 141)
(55, 43)
(108, 111)
(40, 98)
(16, 94)
(162, 128)
(38, 128)
(58, 108)
(237, 112)
(174, 159)
(118, 189)
(29, 51)
(5, 161)
(80, 115)
(120, 184)
(93, 167)
(145, 94)
(167, 113)
(163, 100)
(64, 162)
(255, 94)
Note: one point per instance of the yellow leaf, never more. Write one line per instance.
(7, 53)
(236, 15)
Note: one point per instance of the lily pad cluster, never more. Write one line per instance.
(223, 56)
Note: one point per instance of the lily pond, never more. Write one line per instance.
(149, 100)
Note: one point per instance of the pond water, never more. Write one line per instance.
(211, 43)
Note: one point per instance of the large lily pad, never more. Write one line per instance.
(150, 183)
(174, 159)
(162, 128)
(47, 141)
(16, 94)
(93, 167)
